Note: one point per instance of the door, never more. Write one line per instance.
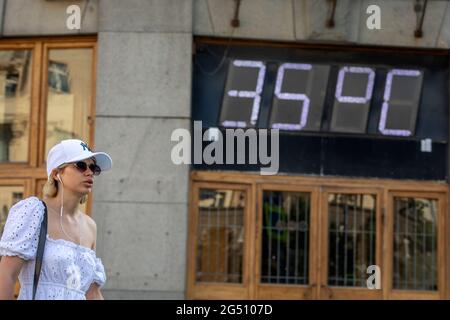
(286, 239)
(350, 243)
(416, 246)
(219, 255)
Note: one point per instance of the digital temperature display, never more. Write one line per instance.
(341, 110)
(299, 93)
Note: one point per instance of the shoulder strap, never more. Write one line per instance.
(40, 250)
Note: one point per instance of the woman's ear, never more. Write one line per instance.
(54, 174)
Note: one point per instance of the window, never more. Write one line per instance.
(9, 195)
(351, 239)
(46, 94)
(220, 235)
(288, 237)
(415, 244)
(69, 95)
(46, 88)
(15, 104)
(285, 237)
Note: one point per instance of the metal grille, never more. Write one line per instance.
(285, 239)
(351, 238)
(220, 242)
(415, 245)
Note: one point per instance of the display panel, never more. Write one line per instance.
(352, 99)
(397, 101)
(299, 96)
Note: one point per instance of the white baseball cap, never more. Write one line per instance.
(73, 150)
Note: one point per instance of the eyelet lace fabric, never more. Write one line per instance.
(68, 269)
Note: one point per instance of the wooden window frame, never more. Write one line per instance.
(27, 189)
(47, 46)
(319, 187)
(34, 169)
(341, 292)
(288, 291)
(211, 290)
(441, 248)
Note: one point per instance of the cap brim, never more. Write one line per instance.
(103, 160)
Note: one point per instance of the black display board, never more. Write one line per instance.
(340, 112)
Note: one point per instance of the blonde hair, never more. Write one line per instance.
(50, 189)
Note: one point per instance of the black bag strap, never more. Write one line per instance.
(40, 250)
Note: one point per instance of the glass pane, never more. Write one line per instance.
(9, 195)
(220, 246)
(285, 239)
(351, 238)
(69, 95)
(415, 244)
(15, 104)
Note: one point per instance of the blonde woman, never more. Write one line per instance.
(70, 268)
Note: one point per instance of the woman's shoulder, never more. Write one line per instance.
(92, 229)
(30, 202)
(90, 223)
(30, 208)
(20, 235)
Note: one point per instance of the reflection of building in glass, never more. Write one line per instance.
(285, 237)
(68, 103)
(221, 236)
(58, 77)
(415, 244)
(14, 104)
(8, 197)
(352, 242)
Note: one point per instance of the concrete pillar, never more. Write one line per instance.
(143, 94)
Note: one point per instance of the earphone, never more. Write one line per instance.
(61, 212)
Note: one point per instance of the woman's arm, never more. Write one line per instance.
(94, 292)
(9, 271)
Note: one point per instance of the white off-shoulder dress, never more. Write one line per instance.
(68, 269)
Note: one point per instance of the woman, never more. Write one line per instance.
(70, 267)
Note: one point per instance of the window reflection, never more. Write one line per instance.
(285, 238)
(15, 104)
(9, 195)
(351, 238)
(220, 243)
(69, 95)
(415, 244)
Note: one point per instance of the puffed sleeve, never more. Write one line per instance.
(21, 233)
(100, 275)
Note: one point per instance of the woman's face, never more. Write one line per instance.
(77, 181)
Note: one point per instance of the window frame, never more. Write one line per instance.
(441, 248)
(34, 169)
(289, 291)
(215, 290)
(384, 189)
(35, 68)
(32, 173)
(342, 292)
(47, 46)
(27, 189)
